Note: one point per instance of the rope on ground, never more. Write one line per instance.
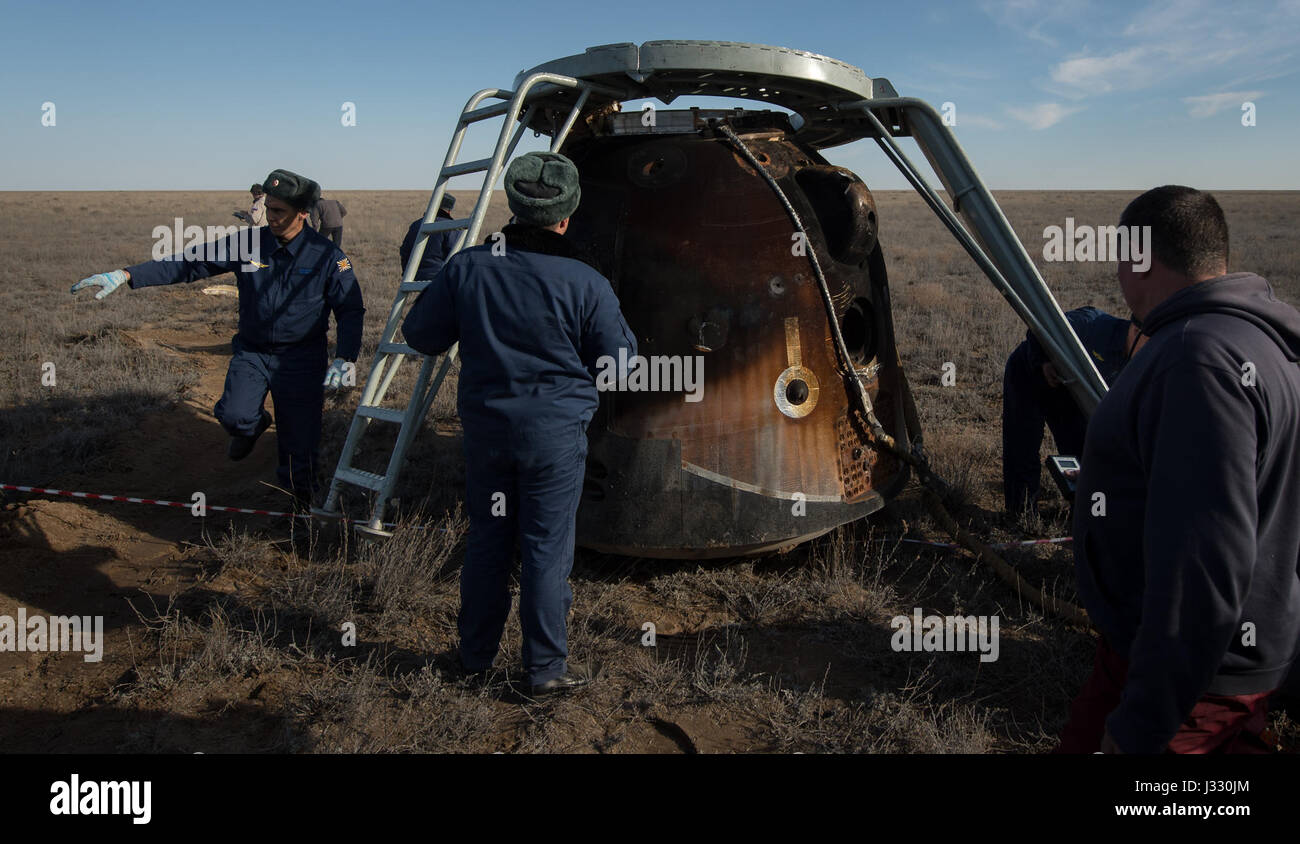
(932, 487)
(997, 546)
(1048, 603)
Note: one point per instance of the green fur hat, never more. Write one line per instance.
(542, 188)
(298, 191)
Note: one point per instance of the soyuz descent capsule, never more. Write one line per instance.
(711, 272)
(750, 271)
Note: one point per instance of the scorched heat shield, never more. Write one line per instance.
(707, 263)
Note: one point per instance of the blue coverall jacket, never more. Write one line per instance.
(532, 323)
(286, 301)
(286, 294)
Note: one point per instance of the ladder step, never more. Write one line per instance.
(387, 414)
(413, 286)
(444, 225)
(397, 349)
(498, 109)
(476, 166)
(485, 112)
(356, 477)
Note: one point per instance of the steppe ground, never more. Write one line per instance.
(223, 633)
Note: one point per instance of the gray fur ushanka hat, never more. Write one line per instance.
(542, 188)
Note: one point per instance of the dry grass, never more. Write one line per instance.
(780, 653)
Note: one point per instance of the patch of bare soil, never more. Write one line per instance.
(63, 556)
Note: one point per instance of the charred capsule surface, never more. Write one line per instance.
(739, 435)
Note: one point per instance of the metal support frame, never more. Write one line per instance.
(1009, 266)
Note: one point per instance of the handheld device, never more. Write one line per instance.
(1065, 471)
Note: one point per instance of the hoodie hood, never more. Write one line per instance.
(1243, 295)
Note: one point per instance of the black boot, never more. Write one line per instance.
(241, 447)
(563, 684)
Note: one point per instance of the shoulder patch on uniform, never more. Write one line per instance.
(345, 264)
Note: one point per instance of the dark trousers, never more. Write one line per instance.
(334, 233)
(520, 488)
(1028, 402)
(295, 378)
(1216, 724)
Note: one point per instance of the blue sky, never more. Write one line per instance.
(1048, 93)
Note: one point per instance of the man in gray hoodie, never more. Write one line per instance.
(1187, 516)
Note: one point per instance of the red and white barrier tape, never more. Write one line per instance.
(160, 502)
(187, 505)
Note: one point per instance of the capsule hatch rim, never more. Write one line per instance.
(818, 88)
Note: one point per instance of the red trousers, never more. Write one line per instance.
(1217, 724)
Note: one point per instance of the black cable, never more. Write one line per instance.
(916, 457)
(841, 348)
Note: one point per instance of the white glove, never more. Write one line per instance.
(339, 371)
(109, 281)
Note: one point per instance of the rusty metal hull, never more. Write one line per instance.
(706, 262)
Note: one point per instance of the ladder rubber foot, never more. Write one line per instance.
(373, 534)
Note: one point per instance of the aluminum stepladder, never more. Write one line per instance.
(391, 352)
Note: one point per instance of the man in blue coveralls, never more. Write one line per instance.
(437, 249)
(290, 279)
(1032, 395)
(531, 321)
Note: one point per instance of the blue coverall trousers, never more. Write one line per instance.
(521, 487)
(1028, 402)
(295, 378)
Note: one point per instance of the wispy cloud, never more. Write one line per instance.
(1098, 74)
(1150, 44)
(1141, 67)
(1171, 17)
(1042, 115)
(1209, 105)
(1174, 40)
(1278, 66)
(1032, 18)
